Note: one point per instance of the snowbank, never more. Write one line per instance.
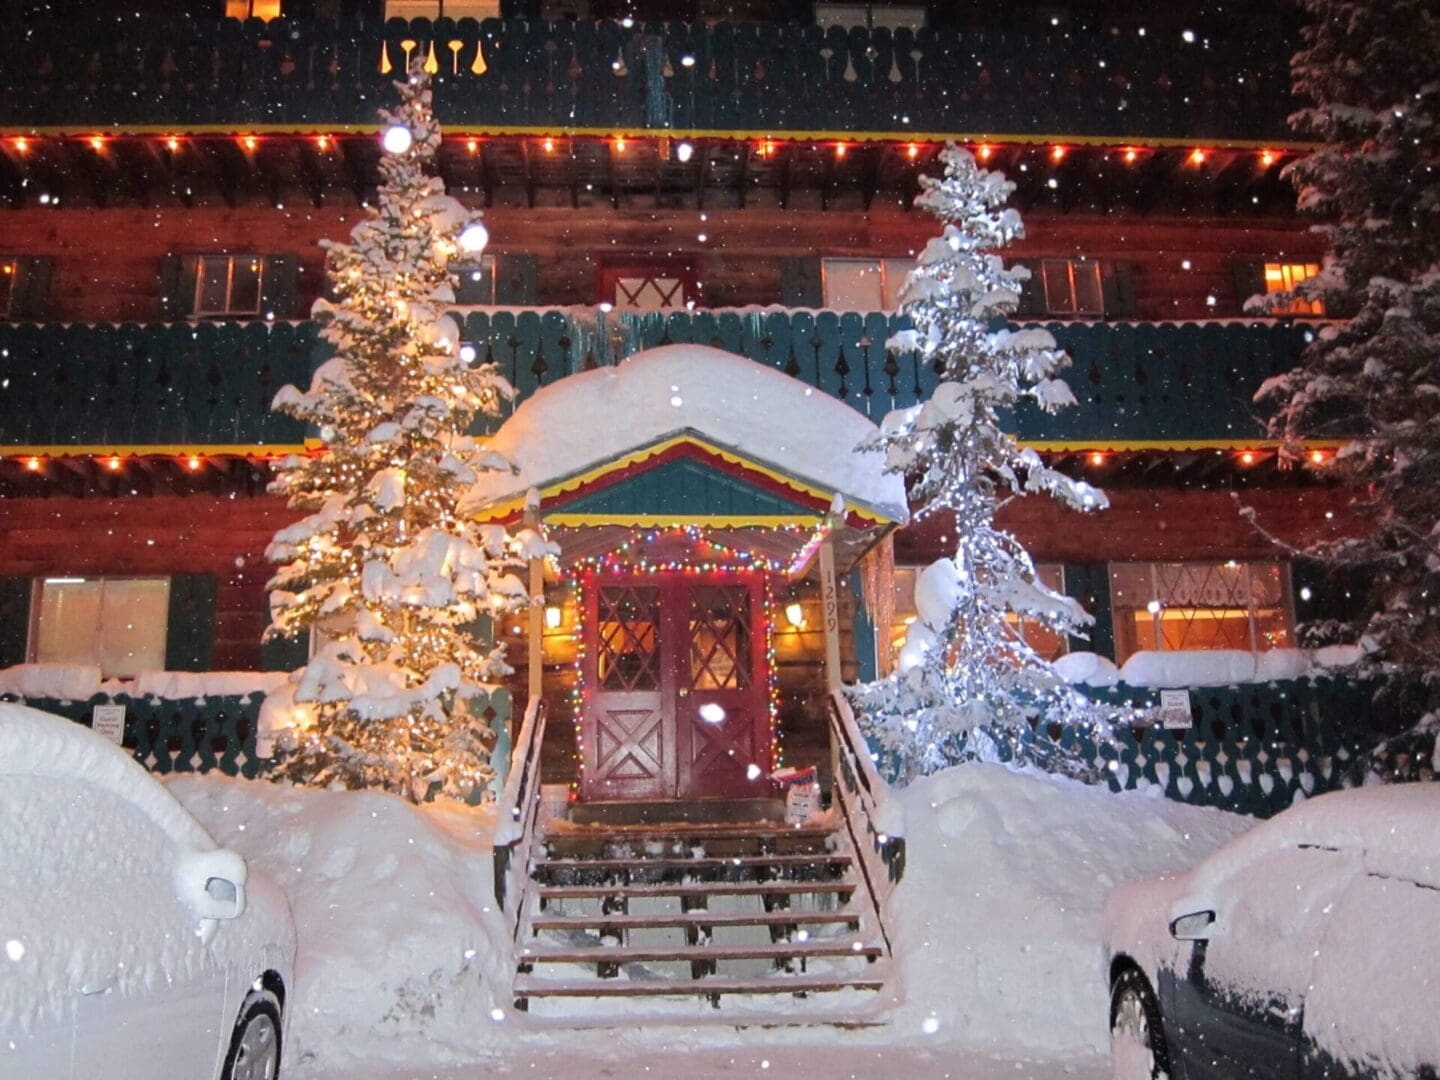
(596, 416)
(1206, 667)
(998, 916)
(80, 682)
(61, 682)
(400, 943)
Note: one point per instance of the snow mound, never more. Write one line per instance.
(999, 914)
(180, 685)
(596, 416)
(401, 946)
(62, 682)
(1205, 667)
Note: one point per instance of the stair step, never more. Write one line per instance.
(780, 950)
(695, 889)
(700, 919)
(682, 830)
(741, 862)
(705, 987)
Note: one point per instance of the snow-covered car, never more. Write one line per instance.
(132, 945)
(1309, 947)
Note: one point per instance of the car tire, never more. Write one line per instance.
(1137, 1039)
(254, 1052)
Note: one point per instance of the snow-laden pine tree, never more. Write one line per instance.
(1371, 69)
(382, 564)
(967, 682)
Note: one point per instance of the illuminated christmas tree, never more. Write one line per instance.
(967, 681)
(383, 566)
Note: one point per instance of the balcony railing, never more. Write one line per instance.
(210, 385)
(721, 78)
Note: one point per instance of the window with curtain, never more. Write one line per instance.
(1072, 287)
(1282, 277)
(117, 623)
(863, 284)
(1200, 605)
(1046, 643)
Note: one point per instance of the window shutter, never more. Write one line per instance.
(1032, 293)
(177, 285)
(1249, 280)
(1117, 286)
(190, 623)
(14, 620)
(472, 289)
(277, 283)
(30, 294)
(801, 283)
(515, 279)
(285, 654)
(1089, 583)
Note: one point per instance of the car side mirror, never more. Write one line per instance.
(213, 883)
(1193, 927)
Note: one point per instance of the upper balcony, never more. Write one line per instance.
(168, 391)
(575, 77)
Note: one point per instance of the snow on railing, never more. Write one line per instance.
(872, 815)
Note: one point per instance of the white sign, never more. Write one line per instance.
(1175, 710)
(109, 721)
(802, 801)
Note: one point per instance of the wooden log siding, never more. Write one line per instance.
(315, 74)
(210, 385)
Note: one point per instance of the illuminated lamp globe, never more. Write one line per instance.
(474, 238)
(397, 139)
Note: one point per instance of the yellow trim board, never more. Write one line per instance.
(1140, 142)
(160, 450)
(579, 480)
(1135, 445)
(662, 521)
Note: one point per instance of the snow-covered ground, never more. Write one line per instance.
(1000, 963)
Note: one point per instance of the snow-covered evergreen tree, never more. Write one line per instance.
(1370, 68)
(382, 564)
(966, 679)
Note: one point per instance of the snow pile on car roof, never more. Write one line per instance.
(401, 946)
(584, 420)
(999, 913)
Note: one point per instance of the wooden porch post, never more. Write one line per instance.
(830, 612)
(535, 657)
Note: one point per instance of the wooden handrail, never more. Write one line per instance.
(518, 812)
(863, 799)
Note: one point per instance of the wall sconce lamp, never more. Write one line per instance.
(552, 617)
(795, 614)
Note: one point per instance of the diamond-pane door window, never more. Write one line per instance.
(629, 638)
(719, 638)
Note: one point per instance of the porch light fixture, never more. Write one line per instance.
(795, 614)
(397, 139)
(684, 151)
(553, 616)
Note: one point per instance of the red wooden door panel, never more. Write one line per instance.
(722, 709)
(629, 730)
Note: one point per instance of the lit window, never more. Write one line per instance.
(435, 9)
(9, 271)
(228, 284)
(1282, 277)
(1200, 605)
(1072, 287)
(252, 9)
(1045, 642)
(117, 623)
(864, 284)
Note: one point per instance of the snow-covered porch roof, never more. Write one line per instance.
(688, 434)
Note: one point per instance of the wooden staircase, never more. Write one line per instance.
(687, 912)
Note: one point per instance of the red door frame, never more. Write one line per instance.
(653, 744)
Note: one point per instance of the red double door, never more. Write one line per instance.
(676, 688)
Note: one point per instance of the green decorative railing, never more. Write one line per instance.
(1252, 749)
(210, 385)
(218, 734)
(721, 78)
